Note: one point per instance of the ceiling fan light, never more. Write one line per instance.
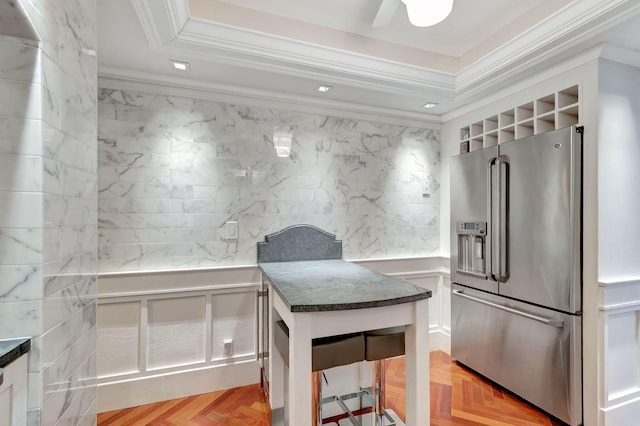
(425, 13)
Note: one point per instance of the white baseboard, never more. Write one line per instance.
(440, 340)
(146, 390)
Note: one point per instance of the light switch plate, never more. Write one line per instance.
(231, 230)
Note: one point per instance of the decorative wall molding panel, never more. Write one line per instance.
(162, 334)
(620, 363)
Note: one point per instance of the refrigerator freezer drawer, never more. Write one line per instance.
(531, 351)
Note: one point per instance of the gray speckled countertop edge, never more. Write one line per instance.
(12, 349)
(418, 293)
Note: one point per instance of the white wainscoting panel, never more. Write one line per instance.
(118, 338)
(176, 331)
(620, 359)
(234, 319)
(162, 334)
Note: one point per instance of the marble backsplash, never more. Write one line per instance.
(172, 171)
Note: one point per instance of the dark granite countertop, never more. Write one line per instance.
(12, 349)
(335, 285)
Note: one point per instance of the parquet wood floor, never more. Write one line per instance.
(458, 398)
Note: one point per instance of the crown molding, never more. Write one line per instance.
(171, 30)
(522, 56)
(276, 53)
(571, 63)
(119, 79)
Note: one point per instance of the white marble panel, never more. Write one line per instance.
(152, 235)
(23, 64)
(20, 209)
(20, 136)
(20, 246)
(166, 250)
(123, 251)
(19, 319)
(376, 183)
(51, 104)
(69, 151)
(121, 221)
(58, 372)
(51, 176)
(12, 9)
(17, 26)
(70, 211)
(78, 183)
(63, 335)
(161, 220)
(176, 332)
(20, 173)
(20, 283)
(67, 405)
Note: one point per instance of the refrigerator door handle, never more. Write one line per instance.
(502, 181)
(547, 321)
(489, 244)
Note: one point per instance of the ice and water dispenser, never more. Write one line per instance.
(471, 247)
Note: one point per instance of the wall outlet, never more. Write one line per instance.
(227, 350)
(231, 230)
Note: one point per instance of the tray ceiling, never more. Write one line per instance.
(278, 51)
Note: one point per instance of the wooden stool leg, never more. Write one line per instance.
(316, 396)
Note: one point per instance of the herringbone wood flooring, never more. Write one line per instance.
(458, 398)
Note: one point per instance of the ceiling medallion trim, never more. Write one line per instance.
(119, 79)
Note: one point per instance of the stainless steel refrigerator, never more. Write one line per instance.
(516, 267)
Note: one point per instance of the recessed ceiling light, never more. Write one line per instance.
(179, 65)
(323, 88)
(430, 105)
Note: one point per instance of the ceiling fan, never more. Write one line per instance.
(422, 13)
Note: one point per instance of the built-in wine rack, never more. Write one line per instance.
(554, 111)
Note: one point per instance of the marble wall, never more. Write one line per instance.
(48, 199)
(173, 171)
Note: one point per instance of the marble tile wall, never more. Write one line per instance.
(48, 194)
(173, 171)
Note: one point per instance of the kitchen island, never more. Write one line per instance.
(328, 297)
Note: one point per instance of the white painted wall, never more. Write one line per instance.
(619, 171)
(619, 242)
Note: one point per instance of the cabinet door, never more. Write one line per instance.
(13, 393)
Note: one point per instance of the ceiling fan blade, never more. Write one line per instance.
(385, 13)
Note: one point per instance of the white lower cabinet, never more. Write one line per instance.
(13, 393)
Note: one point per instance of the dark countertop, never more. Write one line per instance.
(335, 285)
(12, 349)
